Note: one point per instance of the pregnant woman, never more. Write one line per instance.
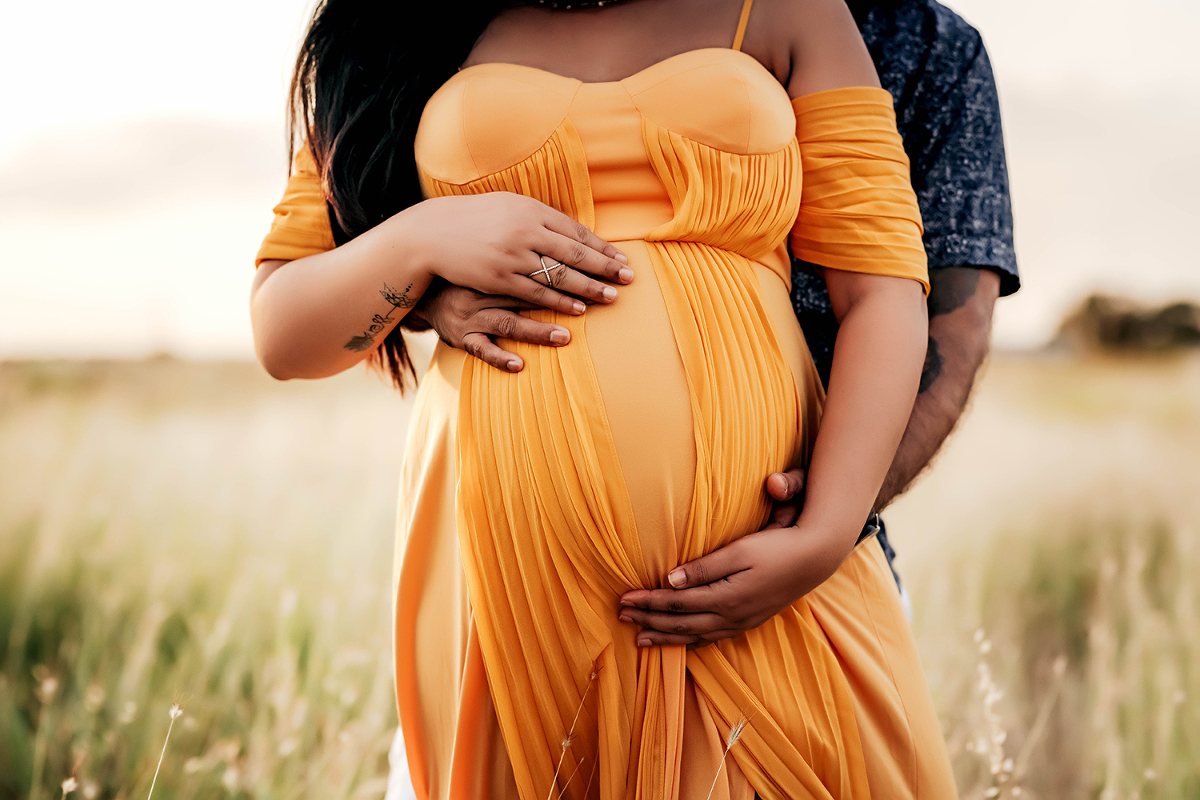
(631, 172)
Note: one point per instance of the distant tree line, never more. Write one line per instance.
(1104, 322)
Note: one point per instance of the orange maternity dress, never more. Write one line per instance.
(530, 502)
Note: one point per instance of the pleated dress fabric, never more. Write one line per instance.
(530, 502)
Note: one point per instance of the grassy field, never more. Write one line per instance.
(197, 535)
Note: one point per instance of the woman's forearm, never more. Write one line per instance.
(877, 362)
(319, 315)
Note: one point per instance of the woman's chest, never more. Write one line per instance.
(690, 144)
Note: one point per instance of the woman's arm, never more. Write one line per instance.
(876, 369)
(880, 348)
(877, 357)
(318, 315)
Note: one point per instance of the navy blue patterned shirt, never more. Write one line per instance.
(936, 68)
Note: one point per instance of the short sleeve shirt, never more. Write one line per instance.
(936, 68)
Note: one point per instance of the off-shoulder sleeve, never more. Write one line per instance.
(858, 211)
(301, 225)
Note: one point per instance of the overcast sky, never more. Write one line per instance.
(142, 151)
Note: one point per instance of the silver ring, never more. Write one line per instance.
(547, 269)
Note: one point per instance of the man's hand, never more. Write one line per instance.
(786, 490)
(738, 587)
(471, 321)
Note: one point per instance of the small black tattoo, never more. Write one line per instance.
(366, 339)
(951, 288)
(933, 366)
(396, 299)
(359, 343)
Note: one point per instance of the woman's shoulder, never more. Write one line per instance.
(809, 45)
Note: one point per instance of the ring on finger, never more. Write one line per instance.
(550, 270)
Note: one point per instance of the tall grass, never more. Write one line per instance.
(1077, 555)
(198, 535)
(173, 533)
(1087, 680)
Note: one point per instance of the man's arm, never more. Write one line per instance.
(961, 300)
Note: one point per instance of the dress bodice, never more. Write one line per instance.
(699, 147)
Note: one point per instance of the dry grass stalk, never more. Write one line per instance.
(566, 743)
(46, 691)
(1043, 718)
(571, 777)
(588, 787)
(992, 746)
(70, 784)
(735, 733)
(175, 713)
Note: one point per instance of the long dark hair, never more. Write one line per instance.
(365, 70)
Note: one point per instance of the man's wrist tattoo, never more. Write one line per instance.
(366, 340)
(933, 366)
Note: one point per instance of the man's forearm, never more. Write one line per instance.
(961, 300)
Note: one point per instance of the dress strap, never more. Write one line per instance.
(741, 28)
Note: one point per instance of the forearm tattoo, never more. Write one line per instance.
(933, 366)
(366, 340)
(950, 289)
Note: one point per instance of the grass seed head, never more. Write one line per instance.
(735, 733)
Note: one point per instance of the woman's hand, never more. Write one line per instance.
(734, 589)
(494, 243)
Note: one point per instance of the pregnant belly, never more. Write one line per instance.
(645, 441)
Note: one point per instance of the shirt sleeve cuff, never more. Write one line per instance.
(989, 252)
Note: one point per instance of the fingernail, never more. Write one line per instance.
(610, 293)
(514, 365)
(578, 308)
(560, 336)
(677, 578)
(643, 641)
(626, 603)
(626, 275)
(622, 258)
(625, 618)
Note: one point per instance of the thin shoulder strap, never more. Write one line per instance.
(741, 29)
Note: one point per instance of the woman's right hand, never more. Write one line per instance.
(493, 243)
